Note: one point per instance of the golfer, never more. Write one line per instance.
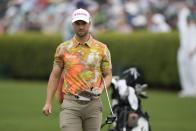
(86, 67)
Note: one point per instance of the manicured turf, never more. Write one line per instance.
(21, 109)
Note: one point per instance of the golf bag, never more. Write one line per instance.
(127, 94)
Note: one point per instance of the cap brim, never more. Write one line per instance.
(80, 18)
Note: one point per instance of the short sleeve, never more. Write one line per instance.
(106, 64)
(58, 57)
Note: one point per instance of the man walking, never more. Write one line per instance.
(86, 67)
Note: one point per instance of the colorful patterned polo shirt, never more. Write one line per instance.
(83, 64)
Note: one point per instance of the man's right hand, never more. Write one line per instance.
(47, 109)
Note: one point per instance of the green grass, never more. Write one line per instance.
(21, 109)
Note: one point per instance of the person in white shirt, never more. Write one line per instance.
(187, 52)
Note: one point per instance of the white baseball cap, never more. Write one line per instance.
(81, 14)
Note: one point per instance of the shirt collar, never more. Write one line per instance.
(88, 43)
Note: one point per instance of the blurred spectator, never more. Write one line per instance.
(139, 22)
(122, 25)
(187, 51)
(3, 4)
(113, 10)
(132, 9)
(100, 18)
(158, 24)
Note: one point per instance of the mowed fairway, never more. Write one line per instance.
(21, 109)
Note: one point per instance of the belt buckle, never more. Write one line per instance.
(86, 96)
(82, 98)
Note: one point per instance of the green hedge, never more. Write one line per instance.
(31, 55)
(27, 55)
(154, 53)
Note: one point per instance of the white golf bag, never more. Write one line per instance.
(127, 94)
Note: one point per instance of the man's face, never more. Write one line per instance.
(81, 28)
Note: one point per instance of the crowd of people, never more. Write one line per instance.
(51, 16)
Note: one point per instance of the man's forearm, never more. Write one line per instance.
(52, 87)
(53, 83)
(108, 79)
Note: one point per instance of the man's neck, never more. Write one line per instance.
(84, 39)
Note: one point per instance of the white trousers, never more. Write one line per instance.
(187, 71)
(193, 72)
